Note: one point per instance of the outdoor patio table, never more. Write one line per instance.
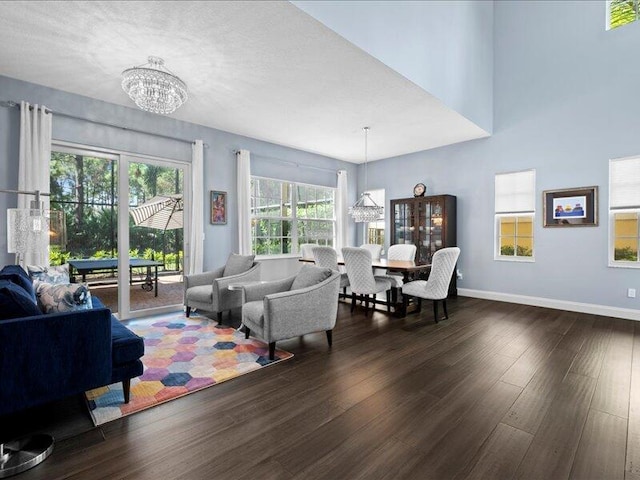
(100, 265)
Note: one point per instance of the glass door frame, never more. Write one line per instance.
(123, 159)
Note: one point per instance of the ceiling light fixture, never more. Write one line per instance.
(365, 209)
(154, 88)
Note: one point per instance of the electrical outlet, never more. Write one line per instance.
(459, 274)
(631, 293)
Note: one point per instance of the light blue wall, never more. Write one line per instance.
(219, 159)
(444, 47)
(565, 103)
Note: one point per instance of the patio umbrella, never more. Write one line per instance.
(162, 212)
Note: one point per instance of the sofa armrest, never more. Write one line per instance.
(48, 357)
(294, 313)
(205, 278)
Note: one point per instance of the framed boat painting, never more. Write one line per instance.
(571, 207)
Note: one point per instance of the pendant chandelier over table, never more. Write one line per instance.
(366, 209)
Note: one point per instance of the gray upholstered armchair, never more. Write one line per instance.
(294, 306)
(210, 292)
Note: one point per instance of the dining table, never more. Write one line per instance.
(408, 268)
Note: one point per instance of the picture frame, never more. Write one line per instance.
(218, 207)
(571, 207)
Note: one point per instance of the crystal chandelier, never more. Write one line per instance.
(366, 209)
(154, 88)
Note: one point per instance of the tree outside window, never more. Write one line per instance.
(621, 12)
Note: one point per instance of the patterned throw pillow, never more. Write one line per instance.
(59, 274)
(53, 298)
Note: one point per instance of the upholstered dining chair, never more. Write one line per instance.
(436, 287)
(403, 252)
(374, 248)
(362, 282)
(327, 257)
(306, 249)
(210, 292)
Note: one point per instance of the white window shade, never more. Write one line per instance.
(624, 183)
(515, 192)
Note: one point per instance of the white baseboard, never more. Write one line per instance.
(604, 310)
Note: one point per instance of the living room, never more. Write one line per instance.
(531, 86)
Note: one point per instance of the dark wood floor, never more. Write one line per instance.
(497, 391)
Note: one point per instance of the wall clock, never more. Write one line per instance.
(419, 189)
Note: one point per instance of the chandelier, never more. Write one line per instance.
(154, 88)
(365, 209)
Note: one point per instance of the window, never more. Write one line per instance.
(375, 230)
(621, 12)
(624, 212)
(514, 214)
(285, 215)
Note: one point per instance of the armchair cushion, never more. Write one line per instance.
(15, 302)
(201, 293)
(237, 264)
(310, 275)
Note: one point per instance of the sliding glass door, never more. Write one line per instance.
(125, 226)
(156, 234)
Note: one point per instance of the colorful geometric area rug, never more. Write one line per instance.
(182, 355)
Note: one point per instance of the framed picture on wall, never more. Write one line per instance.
(571, 207)
(218, 207)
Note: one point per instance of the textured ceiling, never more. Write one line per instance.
(266, 70)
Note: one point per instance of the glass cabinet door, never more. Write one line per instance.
(403, 223)
(423, 243)
(436, 227)
(430, 234)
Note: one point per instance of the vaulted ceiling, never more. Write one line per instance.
(265, 70)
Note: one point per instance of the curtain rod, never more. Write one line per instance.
(12, 104)
(288, 162)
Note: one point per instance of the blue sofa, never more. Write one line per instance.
(46, 357)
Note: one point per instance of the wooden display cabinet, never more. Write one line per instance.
(429, 223)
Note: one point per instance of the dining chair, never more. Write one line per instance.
(327, 257)
(306, 249)
(374, 248)
(403, 252)
(362, 282)
(436, 287)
